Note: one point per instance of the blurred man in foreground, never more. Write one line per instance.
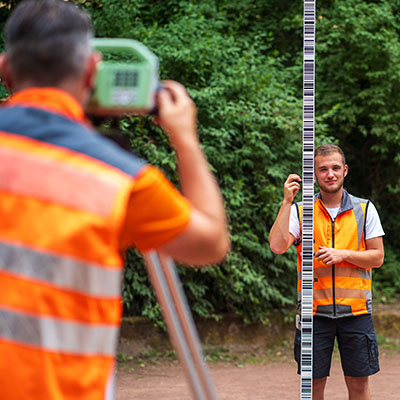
(72, 202)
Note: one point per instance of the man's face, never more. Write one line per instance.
(330, 172)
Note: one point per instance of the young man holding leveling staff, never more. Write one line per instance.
(72, 202)
(348, 244)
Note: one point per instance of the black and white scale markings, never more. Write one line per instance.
(308, 202)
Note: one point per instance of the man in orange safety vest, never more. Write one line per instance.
(348, 244)
(72, 202)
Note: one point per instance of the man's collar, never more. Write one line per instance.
(346, 203)
(50, 99)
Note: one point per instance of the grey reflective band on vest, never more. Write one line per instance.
(53, 334)
(359, 214)
(343, 272)
(67, 273)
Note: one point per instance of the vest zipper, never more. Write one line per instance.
(333, 265)
(333, 269)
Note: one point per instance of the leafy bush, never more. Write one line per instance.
(242, 64)
(250, 129)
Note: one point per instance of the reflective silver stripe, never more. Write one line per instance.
(359, 214)
(58, 335)
(327, 293)
(323, 293)
(318, 294)
(353, 272)
(323, 272)
(67, 273)
(350, 293)
(343, 272)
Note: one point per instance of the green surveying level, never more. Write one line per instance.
(127, 79)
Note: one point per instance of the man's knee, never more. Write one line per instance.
(319, 388)
(357, 386)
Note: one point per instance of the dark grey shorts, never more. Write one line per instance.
(357, 342)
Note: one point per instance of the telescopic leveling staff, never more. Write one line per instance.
(308, 202)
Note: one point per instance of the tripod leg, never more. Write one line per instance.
(180, 324)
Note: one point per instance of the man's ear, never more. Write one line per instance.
(91, 70)
(5, 71)
(346, 170)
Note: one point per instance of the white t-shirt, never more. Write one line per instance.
(373, 226)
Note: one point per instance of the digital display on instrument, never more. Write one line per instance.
(126, 79)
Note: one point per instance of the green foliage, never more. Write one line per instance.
(242, 64)
(250, 129)
(5, 9)
(358, 77)
(386, 282)
(358, 71)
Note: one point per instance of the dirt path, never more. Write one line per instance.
(272, 380)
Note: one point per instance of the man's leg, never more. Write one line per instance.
(318, 388)
(358, 388)
(359, 354)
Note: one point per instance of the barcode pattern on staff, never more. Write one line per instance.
(306, 360)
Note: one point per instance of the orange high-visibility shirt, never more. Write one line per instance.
(71, 200)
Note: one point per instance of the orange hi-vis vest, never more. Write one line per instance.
(64, 192)
(343, 289)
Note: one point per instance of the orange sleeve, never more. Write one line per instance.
(156, 213)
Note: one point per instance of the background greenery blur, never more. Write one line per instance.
(241, 61)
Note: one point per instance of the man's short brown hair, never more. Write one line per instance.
(327, 149)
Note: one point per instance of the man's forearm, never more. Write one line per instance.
(372, 257)
(364, 259)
